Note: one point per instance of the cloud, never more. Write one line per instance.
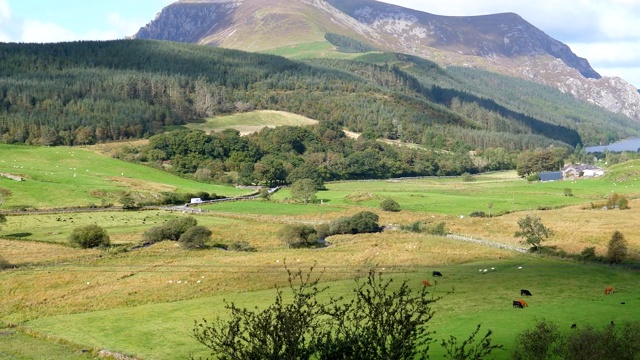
(47, 32)
(123, 25)
(5, 10)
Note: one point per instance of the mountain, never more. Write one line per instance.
(502, 43)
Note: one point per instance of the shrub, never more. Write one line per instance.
(194, 237)
(89, 236)
(362, 222)
(588, 253)
(478, 214)
(415, 227)
(389, 205)
(172, 230)
(568, 192)
(438, 229)
(534, 177)
(466, 177)
(616, 200)
(298, 235)
(242, 246)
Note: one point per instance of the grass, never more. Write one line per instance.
(62, 176)
(250, 122)
(131, 301)
(155, 331)
(18, 345)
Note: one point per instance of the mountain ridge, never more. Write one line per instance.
(502, 43)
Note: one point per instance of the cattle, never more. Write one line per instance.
(524, 303)
(524, 292)
(437, 273)
(608, 290)
(573, 326)
(426, 283)
(517, 304)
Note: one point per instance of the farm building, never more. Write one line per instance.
(196, 200)
(576, 171)
(550, 175)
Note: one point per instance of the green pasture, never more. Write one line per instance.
(312, 50)
(261, 207)
(563, 292)
(63, 176)
(505, 191)
(19, 346)
(122, 226)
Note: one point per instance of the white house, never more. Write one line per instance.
(196, 200)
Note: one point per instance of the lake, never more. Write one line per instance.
(624, 145)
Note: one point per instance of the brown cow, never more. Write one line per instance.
(608, 290)
(524, 303)
(426, 283)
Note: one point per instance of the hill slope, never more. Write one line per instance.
(501, 43)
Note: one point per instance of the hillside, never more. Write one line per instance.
(88, 92)
(501, 43)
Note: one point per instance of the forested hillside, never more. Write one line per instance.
(88, 92)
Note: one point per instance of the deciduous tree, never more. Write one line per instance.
(532, 231)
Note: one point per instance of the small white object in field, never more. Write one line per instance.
(519, 267)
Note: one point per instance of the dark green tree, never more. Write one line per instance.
(617, 248)
(532, 231)
(89, 236)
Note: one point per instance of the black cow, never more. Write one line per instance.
(524, 292)
(436, 273)
(574, 326)
(517, 304)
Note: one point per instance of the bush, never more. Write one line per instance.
(362, 222)
(415, 227)
(466, 177)
(545, 341)
(568, 192)
(242, 246)
(298, 235)
(616, 200)
(588, 253)
(194, 237)
(381, 321)
(172, 230)
(438, 229)
(389, 205)
(89, 236)
(534, 177)
(478, 214)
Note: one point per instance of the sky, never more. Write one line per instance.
(605, 32)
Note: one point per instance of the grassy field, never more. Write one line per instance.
(62, 176)
(143, 302)
(564, 293)
(250, 122)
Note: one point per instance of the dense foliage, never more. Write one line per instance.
(90, 236)
(86, 92)
(546, 341)
(172, 230)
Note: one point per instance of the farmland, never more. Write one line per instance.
(143, 302)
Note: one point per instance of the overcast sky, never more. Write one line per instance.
(606, 32)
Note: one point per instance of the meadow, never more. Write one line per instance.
(143, 302)
(250, 122)
(63, 177)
